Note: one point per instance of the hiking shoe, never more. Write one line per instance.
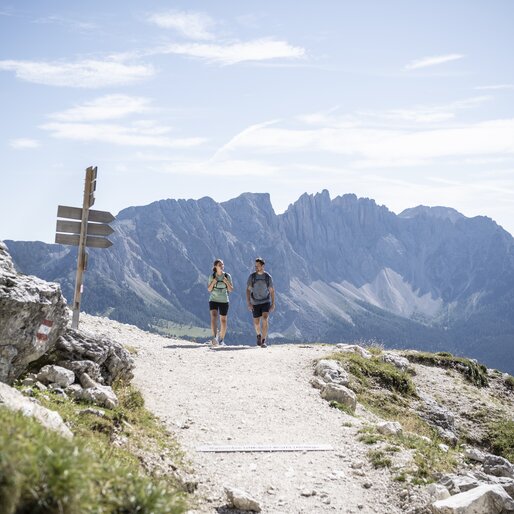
(259, 340)
(263, 344)
(222, 343)
(214, 341)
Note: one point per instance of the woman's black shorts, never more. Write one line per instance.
(222, 307)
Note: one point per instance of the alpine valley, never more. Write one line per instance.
(344, 269)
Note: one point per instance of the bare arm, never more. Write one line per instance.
(272, 292)
(211, 284)
(248, 302)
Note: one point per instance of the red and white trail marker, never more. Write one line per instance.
(44, 330)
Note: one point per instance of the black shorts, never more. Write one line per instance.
(222, 307)
(257, 310)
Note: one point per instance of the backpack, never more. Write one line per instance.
(218, 281)
(260, 293)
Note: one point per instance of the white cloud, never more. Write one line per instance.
(190, 24)
(107, 107)
(496, 87)
(432, 61)
(142, 133)
(23, 143)
(368, 145)
(233, 53)
(87, 73)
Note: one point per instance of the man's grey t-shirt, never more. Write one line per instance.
(259, 291)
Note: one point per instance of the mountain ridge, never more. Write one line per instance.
(344, 268)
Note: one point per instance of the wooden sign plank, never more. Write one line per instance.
(69, 227)
(75, 213)
(99, 229)
(74, 239)
(93, 229)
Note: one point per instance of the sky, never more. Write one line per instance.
(404, 102)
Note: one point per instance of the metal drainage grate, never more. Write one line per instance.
(265, 448)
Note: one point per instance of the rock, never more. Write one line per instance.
(94, 392)
(33, 314)
(389, 428)
(439, 417)
(397, 361)
(505, 482)
(80, 367)
(438, 492)
(317, 383)
(330, 371)
(459, 483)
(308, 492)
(241, 500)
(474, 454)
(498, 466)
(14, 400)
(340, 394)
(51, 374)
(112, 359)
(355, 348)
(484, 499)
(94, 412)
(443, 447)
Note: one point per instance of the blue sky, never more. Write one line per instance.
(404, 102)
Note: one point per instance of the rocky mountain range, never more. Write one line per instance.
(344, 269)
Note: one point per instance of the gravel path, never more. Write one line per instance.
(248, 396)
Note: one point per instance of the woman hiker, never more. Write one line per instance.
(219, 285)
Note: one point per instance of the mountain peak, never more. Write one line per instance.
(433, 212)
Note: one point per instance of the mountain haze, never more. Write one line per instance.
(344, 268)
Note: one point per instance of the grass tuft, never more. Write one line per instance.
(475, 372)
(42, 473)
(385, 374)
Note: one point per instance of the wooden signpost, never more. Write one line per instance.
(87, 232)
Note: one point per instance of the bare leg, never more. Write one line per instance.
(265, 325)
(223, 327)
(257, 325)
(214, 322)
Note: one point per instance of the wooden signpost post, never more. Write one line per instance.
(87, 232)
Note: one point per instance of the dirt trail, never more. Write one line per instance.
(247, 396)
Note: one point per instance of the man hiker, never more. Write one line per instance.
(260, 297)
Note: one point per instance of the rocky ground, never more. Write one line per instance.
(247, 396)
(253, 396)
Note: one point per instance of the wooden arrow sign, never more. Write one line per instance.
(93, 229)
(74, 240)
(75, 213)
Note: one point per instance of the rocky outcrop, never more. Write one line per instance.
(102, 359)
(33, 314)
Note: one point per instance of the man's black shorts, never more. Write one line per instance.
(257, 310)
(222, 307)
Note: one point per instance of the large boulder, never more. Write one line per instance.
(33, 314)
(484, 499)
(111, 359)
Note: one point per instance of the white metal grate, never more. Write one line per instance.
(265, 448)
